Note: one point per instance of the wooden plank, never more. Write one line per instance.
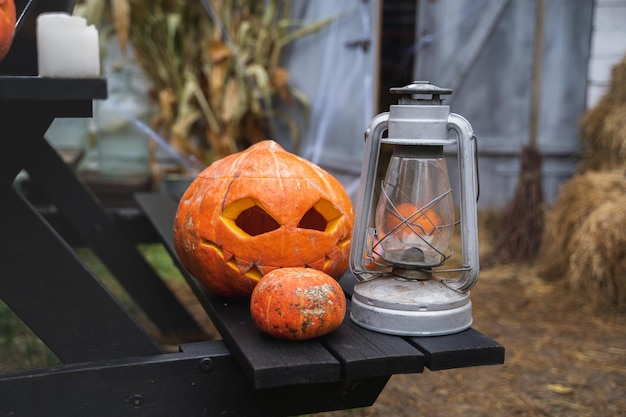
(203, 380)
(131, 220)
(608, 43)
(469, 348)
(595, 94)
(53, 292)
(610, 18)
(460, 350)
(27, 88)
(364, 353)
(268, 362)
(600, 68)
(456, 72)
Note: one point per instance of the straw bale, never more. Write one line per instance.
(578, 198)
(617, 86)
(597, 261)
(603, 127)
(604, 137)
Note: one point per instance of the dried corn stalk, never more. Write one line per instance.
(214, 67)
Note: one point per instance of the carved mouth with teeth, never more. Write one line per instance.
(250, 221)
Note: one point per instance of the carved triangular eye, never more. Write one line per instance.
(250, 218)
(255, 221)
(323, 217)
(312, 219)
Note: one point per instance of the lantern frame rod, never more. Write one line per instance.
(468, 191)
(378, 126)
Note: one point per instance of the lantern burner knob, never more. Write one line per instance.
(420, 92)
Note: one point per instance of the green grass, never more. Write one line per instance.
(157, 256)
(21, 349)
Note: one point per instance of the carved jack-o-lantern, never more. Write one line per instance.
(258, 210)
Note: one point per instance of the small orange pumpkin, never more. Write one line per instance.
(258, 210)
(7, 26)
(297, 303)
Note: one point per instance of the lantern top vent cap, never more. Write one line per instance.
(420, 87)
(420, 92)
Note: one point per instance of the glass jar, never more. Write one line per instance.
(123, 148)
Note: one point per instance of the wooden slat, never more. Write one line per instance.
(454, 74)
(32, 88)
(468, 348)
(268, 362)
(364, 353)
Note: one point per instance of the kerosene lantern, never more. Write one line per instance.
(403, 229)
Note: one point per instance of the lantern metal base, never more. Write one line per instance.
(408, 307)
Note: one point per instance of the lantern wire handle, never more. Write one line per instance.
(468, 169)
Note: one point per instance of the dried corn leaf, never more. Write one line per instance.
(253, 128)
(292, 126)
(167, 99)
(245, 37)
(304, 101)
(216, 74)
(296, 34)
(261, 89)
(231, 103)
(218, 51)
(181, 129)
(260, 76)
(271, 8)
(174, 22)
(183, 145)
(209, 114)
(121, 22)
(222, 141)
(94, 11)
(279, 80)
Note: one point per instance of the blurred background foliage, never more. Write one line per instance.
(214, 67)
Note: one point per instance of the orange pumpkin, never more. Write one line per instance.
(413, 221)
(297, 304)
(7, 26)
(258, 210)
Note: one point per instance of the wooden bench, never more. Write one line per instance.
(111, 365)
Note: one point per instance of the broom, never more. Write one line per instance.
(522, 224)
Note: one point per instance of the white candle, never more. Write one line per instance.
(67, 47)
